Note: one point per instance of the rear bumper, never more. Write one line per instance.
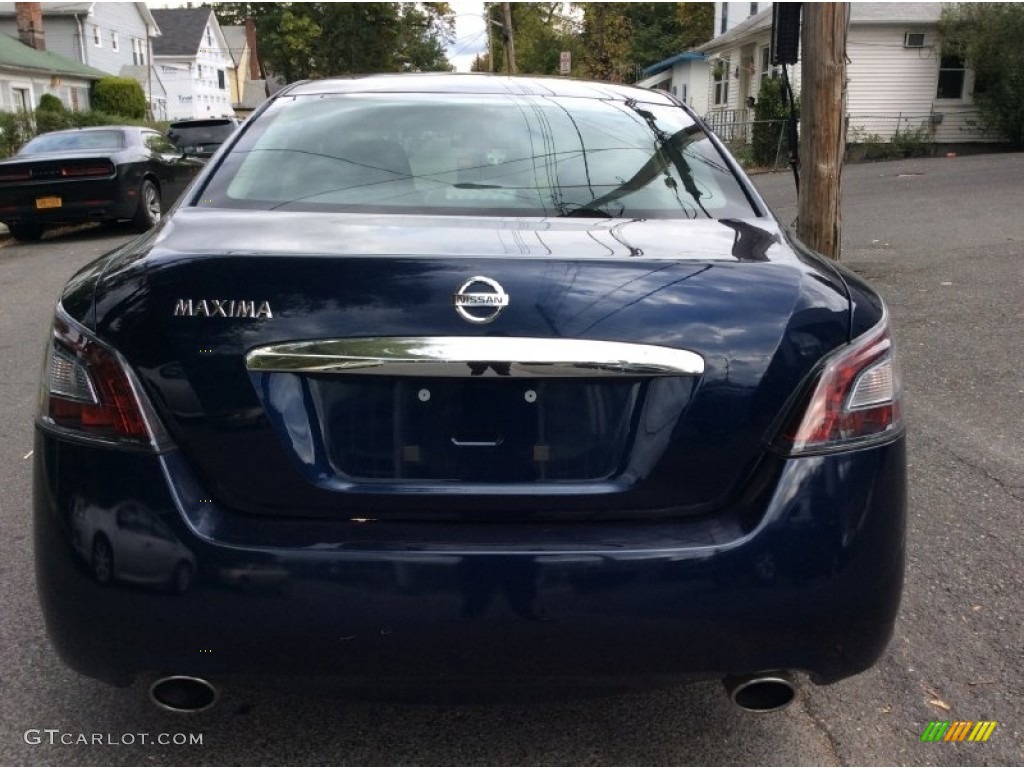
(81, 200)
(813, 585)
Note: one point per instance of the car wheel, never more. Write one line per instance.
(26, 233)
(181, 579)
(150, 207)
(102, 560)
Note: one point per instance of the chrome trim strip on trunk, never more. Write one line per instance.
(458, 356)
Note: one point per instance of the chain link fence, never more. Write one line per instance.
(756, 144)
(763, 144)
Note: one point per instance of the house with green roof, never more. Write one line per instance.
(113, 37)
(26, 74)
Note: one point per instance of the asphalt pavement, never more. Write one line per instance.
(943, 239)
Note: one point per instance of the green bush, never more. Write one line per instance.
(770, 115)
(913, 142)
(15, 129)
(908, 142)
(51, 103)
(871, 146)
(50, 115)
(98, 117)
(119, 96)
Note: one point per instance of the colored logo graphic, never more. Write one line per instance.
(959, 730)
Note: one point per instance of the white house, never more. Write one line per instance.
(674, 75)
(28, 72)
(194, 62)
(728, 15)
(111, 37)
(898, 79)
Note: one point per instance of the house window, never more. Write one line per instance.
(21, 97)
(209, 38)
(115, 44)
(951, 77)
(721, 82)
(753, 9)
(138, 51)
(725, 19)
(221, 83)
(97, 37)
(767, 70)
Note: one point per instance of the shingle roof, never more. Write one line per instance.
(14, 54)
(235, 38)
(51, 9)
(755, 23)
(182, 30)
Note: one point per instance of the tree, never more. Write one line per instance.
(987, 37)
(660, 30)
(481, 63)
(606, 40)
(426, 29)
(696, 24)
(541, 30)
(308, 40)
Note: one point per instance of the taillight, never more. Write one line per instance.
(855, 398)
(79, 171)
(15, 175)
(89, 391)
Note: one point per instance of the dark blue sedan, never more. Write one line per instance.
(468, 380)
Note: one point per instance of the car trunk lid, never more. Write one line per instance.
(516, 428)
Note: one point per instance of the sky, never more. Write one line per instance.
(470, 33)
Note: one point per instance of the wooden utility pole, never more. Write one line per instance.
(490, 47)
(510, 48)
(823, 125)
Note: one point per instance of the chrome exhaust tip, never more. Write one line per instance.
(183, 694)
(764, 692)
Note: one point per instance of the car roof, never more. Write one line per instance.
(94, 128)
(476, 83)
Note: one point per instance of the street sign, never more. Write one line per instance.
(564, 62)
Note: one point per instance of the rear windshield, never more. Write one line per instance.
(61, 142)
(206, 132)
(483, 155)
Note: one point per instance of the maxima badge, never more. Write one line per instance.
(479, 300)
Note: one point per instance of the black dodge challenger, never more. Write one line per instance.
(457, 379)
(92, 174)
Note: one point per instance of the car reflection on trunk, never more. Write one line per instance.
(130, 543)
